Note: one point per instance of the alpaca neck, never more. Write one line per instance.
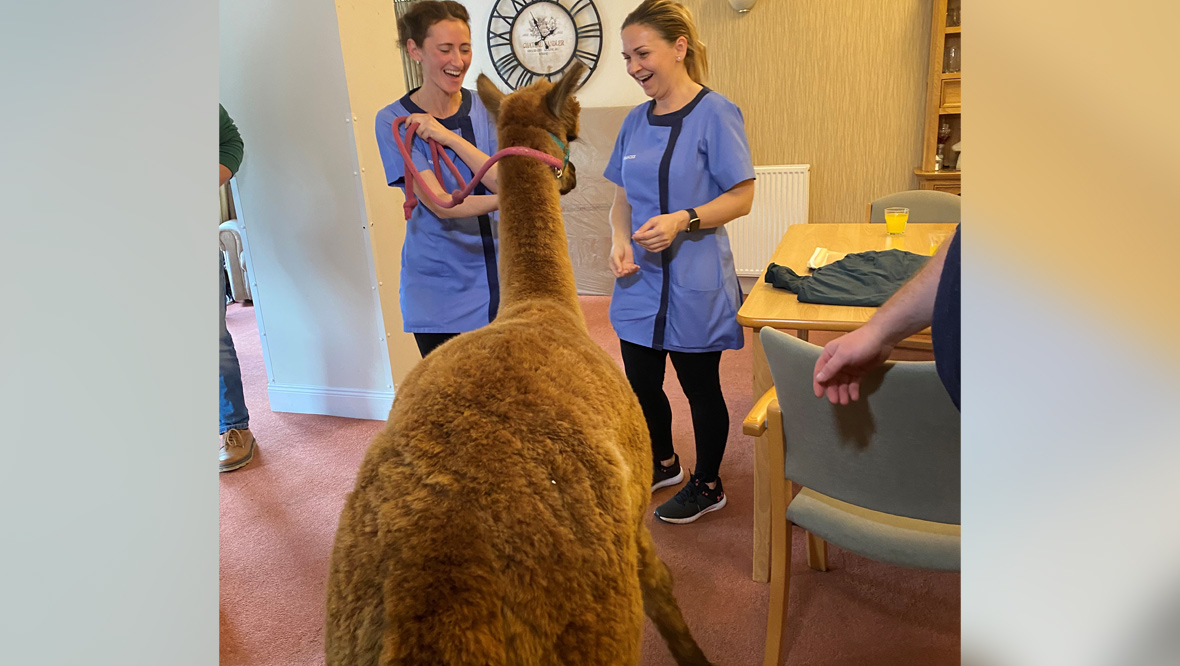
(534, 255)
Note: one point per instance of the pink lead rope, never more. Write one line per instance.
(466, 188)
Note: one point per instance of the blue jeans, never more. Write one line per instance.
(234, 415)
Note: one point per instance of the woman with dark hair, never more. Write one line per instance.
(449, 281)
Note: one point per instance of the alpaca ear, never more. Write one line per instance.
(557, 96)
(490, 95)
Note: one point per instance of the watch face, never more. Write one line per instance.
(528, 40)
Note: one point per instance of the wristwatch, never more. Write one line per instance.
(694, 221)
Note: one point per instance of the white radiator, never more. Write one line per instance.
(780, 200)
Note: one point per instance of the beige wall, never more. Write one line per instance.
(837, 84)
(373, 70)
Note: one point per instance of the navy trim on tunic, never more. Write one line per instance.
(461, 121)
(675, 121)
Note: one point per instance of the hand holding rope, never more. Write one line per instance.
(465, 188)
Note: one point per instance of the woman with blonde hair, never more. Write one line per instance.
(682, 168)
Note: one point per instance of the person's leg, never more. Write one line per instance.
(428, 342)
(233, 412)
(644, 367)
(700, 377)
(237, 442)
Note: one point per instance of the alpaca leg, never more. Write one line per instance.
(609, 632)
(660, 605)
(354, 619)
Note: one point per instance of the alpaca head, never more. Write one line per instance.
(545, 106)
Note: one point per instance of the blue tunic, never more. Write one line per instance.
(449, 280)
(686, 297)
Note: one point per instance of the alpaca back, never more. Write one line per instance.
(500, 498)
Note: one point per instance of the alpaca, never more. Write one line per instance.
(498, 518)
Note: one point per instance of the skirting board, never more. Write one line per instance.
(329, 401)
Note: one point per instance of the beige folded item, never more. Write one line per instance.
(823, 256)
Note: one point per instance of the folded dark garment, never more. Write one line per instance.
(862, 278)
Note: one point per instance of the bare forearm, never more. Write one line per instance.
(620, 221)
(911, 309)
(474, 205)
(226, 174)
(475, 158)
(728, 206)
(478, 204)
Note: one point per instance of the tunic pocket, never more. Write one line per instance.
(697, 264)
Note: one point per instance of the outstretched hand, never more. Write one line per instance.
(657, 233)
(622, 260)
(845, 361)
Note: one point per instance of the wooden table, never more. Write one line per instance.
(779, 308)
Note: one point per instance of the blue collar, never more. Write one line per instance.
(565, 158)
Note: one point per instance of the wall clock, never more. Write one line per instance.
(531, 39)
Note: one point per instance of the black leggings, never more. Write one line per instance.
(700, 377)
(427, 342)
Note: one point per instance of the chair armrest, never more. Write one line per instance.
(755, 423)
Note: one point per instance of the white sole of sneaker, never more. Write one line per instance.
(682, 521)
(668, 482)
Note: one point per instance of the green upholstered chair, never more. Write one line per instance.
(878, 477)
(926, 206)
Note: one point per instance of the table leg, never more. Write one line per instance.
(802, 334)
(762, 473)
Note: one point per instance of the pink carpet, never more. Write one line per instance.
(278, 518)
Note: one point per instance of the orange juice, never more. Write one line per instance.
(895, 222)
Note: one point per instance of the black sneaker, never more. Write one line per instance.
(694, 500)
(662, 477)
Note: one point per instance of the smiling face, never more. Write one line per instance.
(651, 59)
(445, 54)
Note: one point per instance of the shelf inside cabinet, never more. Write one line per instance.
(955, 30)
(952, 75)
(945, 174)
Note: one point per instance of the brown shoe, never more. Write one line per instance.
(237, 449)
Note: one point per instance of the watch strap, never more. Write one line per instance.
(694, 220)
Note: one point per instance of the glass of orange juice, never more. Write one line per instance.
(895, 219)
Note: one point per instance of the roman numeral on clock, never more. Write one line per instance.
(526, 77)
(499, 39)
(590, 31)
(504, 61)
(579, 6)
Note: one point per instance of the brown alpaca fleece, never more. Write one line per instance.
(498, 518)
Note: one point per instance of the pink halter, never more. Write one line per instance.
(457, 197)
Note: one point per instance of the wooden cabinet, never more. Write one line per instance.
(943, 181)
(944, 101)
